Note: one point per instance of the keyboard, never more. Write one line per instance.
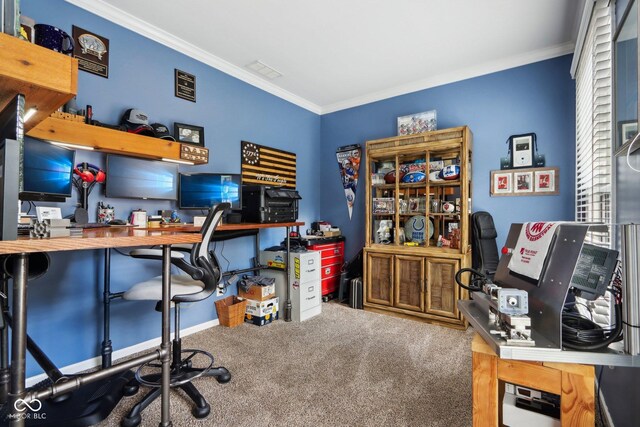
(90, 225)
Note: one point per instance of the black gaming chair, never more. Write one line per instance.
(484, 250)
(203, 275)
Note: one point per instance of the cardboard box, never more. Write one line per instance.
(331, 233)
(257, 292)
(261, 321)
(261, 312)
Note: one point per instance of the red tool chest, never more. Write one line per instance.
(331, 260)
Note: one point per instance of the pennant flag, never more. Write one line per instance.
(349, 164)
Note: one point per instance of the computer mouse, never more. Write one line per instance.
(117, 222)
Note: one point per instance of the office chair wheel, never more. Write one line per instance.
(130, 389)
(183, 374)
(131, 421)
(223, 377)
(201, 412)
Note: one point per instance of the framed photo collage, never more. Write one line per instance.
(525, 182)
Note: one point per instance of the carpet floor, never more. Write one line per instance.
(344, 367)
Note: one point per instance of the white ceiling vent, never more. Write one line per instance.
(264, 70)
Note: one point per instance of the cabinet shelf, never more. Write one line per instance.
(108, 140)
(423, 184)
(417, 281)
(46, 78)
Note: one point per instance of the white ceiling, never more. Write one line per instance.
(336, 54)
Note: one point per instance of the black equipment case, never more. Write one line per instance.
(265, 204)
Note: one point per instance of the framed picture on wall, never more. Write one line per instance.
(189, 134)
(501, 183)
(523, 182)
(526, 182)
(545, 181)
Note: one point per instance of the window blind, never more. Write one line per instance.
(593, 125)
(593, 142)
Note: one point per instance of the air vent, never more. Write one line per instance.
(264, 70)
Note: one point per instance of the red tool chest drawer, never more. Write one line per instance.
(330, 285)
(331, 270)
(331, 260)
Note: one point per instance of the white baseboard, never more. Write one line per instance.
(124, 352)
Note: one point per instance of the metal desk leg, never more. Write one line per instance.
(288, 307)
(19, 332)
(107, 349)
(165, 347)
(4, 340)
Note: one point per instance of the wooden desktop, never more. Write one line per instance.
(97, 238)
(228, 227)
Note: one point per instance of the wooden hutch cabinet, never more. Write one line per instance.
(417, 224)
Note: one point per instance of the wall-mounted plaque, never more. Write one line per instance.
(185, 85)
(194, 153)
(92, 52)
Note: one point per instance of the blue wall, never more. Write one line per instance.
(536, 98)
(65, 308)
(64, 315)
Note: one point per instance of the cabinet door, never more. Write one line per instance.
(442, 290)
(379, 278)
(409, 289)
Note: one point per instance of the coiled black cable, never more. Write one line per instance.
(476, 279)
(580, 333)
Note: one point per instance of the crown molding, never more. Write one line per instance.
(130, 22)
(454, 76)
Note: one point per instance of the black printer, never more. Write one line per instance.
(264, 204)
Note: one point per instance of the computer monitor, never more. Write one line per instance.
(594, 270)
(203, 190)
(133, 178)
(47, 172)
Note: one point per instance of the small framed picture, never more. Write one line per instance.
(189, 134)
(546, 181)
(383, 205)
(523, 182)
(417, 123)
(501, 183)
(628, 129)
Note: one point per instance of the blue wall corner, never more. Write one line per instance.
(538, 98)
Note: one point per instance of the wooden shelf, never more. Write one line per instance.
(46, 78)
(422, 184)
(107, 140)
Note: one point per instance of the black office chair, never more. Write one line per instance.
(484, 250)
(203, 276)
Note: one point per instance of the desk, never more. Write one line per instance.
(248, 226)
(229, 227)
(111, 237)
(257, 226)
(573, 382)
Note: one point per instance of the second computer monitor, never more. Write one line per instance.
(203, 190)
